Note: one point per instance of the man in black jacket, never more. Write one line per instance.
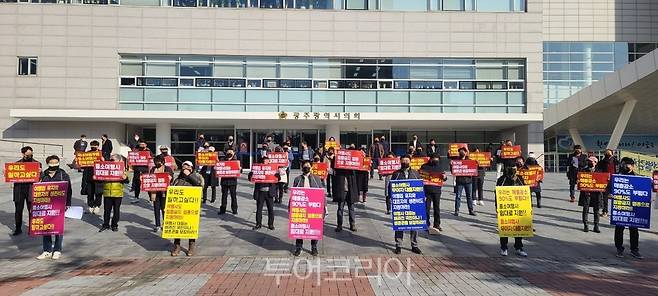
(608, 164)
(627, 167)
(511, 178)
(138, 171)
(433, 193)
(106, 147)
(345, 193)
(229, 185)
(93, 189)
(307, 180)
(22, 193)
(464, 182)
(577, 162)
(406, 173)
(264, 194)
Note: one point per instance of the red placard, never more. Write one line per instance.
(264, 173)
(483, 158)
(139, 158)
(349, 160)
(320, 169)
(228, 169)
(109, 171)
(367, 164)
(453, 149)
(87, 159)
(540, 171)
(417, 162)
(204, 158)
(655, 181)
(507, 152)
(593, 182)
(278, 158)
(48, 207)
(157, 182)
(388, 165)
(432, 178)
(22, 172)
(530, 177)
(464, 167)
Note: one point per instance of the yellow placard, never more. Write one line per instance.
(644, 164)
(182, 211)
(514, 210)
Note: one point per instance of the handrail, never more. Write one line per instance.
(43, 145)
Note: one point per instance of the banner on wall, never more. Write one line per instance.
(645, 165)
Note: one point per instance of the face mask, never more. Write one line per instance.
(435, 161)
(142, 148)
(28, 157)
(404, 165)
(229, 155)
(316, 159)
(53, 167)
(136, 137)
(306, 170)
(519, 165)
(94, 148)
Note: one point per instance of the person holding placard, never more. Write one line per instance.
(463, 183)
(478, 184)
(362, 180)
(608, 164)
(93, 189)
(346, 194)
(406, 173)
(329, 159)
(433, 192)
(627, 167)
(577, 162)
(511, 178)
(22, 193)
(159, 198)
(112, 196)
(187, 177)
(589, 199)
(306, 180)
(209, 180)
(281, 186)
(55, 174)
(387, 190)
(264, 194)
(529, 162)
(138, 171)
(375, 152)
(229, 185)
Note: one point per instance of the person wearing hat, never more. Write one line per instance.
(169, 160)
(210, 180)
(187, 177)
(590, 199)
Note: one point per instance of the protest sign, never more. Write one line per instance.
(349, 160)
(530, 177)
(655, 181)
(540, 171)
(408, 205)
(48, 208)
(631, 201)
(507, 152)
(156, 182)
(306, 218)
(453, 149)
(464, 167)
(417, 162)
(432, 178)
(109, 171)
(593, 182)
(331, 144)
(22, 172)
(264, 173)
(182, 212)
(87, 159)
(139, 158)
(514, 209)
(206, 158)
(228, 169)
(367, 164)
(278, 158)
(483, 158)
(320, 169)
(388, 165)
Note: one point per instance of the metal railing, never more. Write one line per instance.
(38, 148)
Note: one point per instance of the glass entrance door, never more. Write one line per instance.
(358, 138)
(296, 137)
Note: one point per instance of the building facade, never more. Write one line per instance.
(451, 70)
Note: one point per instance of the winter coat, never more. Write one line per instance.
(59, 176)
(22, 190)
(340, 180)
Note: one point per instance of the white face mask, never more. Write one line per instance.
(53, 164)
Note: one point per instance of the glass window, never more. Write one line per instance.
(183, 3)
(294, 97)
(261, 67)
(131, 94)
(603, 67)
(515, 98)
(356, 4)
(161, 69)
(327, 97)
(271, 3)
(360, 68)
(406, 5)
(425, 97)
(360, 97)
(294, 68)
(141, 2)
(459, 98)
(458, 109)
(194, 107)
(519, 5)
(327, 69)
(458, 69)
(132, 69)
(27, 66)
(314, 4)
(194, 95)
(160, 95)
(489, 70)
(132, 107)
(498, 98)
(491, 109)
(228, 95)
(160, 107)
(204, 70)
(453, 4)
(494, 5)
(262, 96)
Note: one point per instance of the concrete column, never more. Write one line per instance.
(162, 135)
(332, 130)
(575, 136)
(530, 137)
(620, 126)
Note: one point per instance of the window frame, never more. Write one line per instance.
(30, 60)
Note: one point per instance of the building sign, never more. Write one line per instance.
(349, 160)
(22, 172)
(306, 217)
(631, 201)
(593, 182)
(111, 171)
(388, 165)
(453, 149)
(319, 115)
(464, 168)
(643, 144)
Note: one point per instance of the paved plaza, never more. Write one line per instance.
(232, 259)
